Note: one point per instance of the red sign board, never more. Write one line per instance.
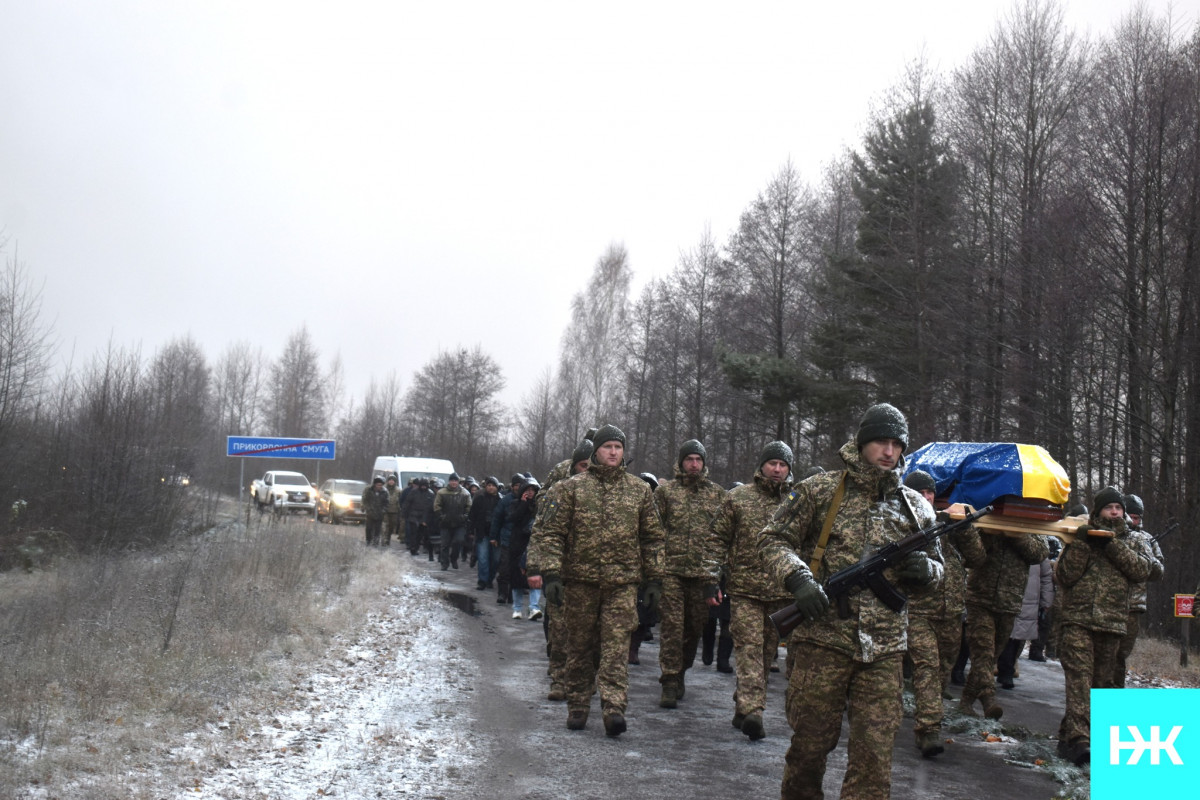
(1184, 605)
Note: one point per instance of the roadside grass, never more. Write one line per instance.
(1155, 662)
(106, 661)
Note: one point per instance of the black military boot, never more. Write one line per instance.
(724, 651)
(707, 640)
(614, 723)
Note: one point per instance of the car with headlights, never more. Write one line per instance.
(284, 491)
(340, 500)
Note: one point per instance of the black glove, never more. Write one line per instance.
(552, 587)
(943, 516)
(651, 594)
(1097, 542)
(810, 597)
(915, 568)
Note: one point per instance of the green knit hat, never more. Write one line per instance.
(776, 450)
(692, 447)
(1109, 494)
(920, 479)
(882, 421)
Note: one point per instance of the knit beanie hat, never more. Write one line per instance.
(882, 421)
(583, 451)
(608, 433)
(692, 447)
(919, 479)
(776, 450)
(1109, 494)
(1133, 505)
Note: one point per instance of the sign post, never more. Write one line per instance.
(277, 447)
(1185, 607)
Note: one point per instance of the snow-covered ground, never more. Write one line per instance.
(376, 718)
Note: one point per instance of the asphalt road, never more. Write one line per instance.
(693, 751)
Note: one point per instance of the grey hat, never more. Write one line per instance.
(1077, 510)
(692, 447)
(378, 479)
(920, 479)
(453, 476)
(1109, 494)
(493, 480)
(882, 421)
(776, 450)
(583, 451)
(608, 433)
(1134, 505)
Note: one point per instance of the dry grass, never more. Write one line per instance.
(105, 661)
(1157, 660)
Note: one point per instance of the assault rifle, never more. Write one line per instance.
(1170, 529)
(868, 573)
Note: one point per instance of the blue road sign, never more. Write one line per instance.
(275, 447)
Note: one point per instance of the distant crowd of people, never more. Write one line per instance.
(603, 554)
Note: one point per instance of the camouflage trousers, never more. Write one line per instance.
(987, 634)
(755, 645)
(683, 612)
(933, 644)
(1132, 627)
(599, 619)
(824, 684)
(556, 645)
(1088, 661)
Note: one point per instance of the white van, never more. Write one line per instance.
(405, 468)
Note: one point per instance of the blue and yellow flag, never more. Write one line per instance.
(977, 473)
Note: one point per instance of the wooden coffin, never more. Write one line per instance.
(1010, 525)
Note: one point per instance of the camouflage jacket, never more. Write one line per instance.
(451, 507)
(1094, 578)
(393, 502)
(687, 506)
(733, 549)
(1137, 589)
(949, 600)
(600, 526)
(374, 502)
(999, 567)
(872, 514)
(560, 472)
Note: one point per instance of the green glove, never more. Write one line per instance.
(915, 568)
(552, 587)
(810, 597)
(651, 594)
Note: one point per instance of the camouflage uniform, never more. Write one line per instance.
(374, 504)
(1094, 576)
(855, 660)
(600, 532)
(934, 637)
(1137, 602)
(556, 619)
(687, 506)
(391, 525)
(753, 595)
(999, 569)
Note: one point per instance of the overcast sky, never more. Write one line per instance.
(402, 177)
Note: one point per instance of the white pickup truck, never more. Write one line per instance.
(284, 491)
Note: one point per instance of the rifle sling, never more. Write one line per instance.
(835, 505)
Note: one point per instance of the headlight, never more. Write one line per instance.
(342, 500)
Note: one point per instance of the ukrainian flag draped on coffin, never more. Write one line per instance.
(977, 473)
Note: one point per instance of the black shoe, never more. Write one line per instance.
(724, 651)
(445, 567)
(1036, 657)
(1006, 683)
(614, 723)
(501, 600)
(752, 726)
(479, 586)
(454, 564)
